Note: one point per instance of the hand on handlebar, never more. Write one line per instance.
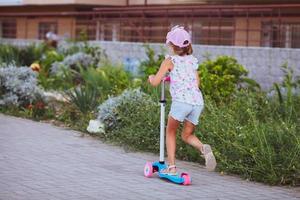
(167, 79)
(150, 78)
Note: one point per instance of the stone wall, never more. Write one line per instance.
(264, 64)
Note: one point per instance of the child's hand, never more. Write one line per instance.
(150, 78)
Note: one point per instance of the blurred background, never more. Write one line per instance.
(264, 23)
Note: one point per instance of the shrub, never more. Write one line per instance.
(69, 48)
(118, 79)
(44, 78)
(109, 80)
(252, 140)
(84, 98)
(18, 86)
(248, 136)
(73, 62)
(66, 74)
(220, 78)
(153, 62)
(287, 91)
(9, 54)
(21, 56)
(108, 111)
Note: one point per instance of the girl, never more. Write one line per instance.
(187, 100)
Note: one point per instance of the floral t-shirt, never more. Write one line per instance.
(183, 85)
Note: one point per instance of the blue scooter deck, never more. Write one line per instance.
(175, 179)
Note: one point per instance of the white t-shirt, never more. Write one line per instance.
(183, 86)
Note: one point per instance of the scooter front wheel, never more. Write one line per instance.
(148, 170)
(186, 179)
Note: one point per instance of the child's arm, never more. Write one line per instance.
(165, 66)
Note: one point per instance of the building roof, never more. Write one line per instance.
(137, 2)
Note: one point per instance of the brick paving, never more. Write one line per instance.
(39, 161)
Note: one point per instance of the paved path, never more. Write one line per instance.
(39, 162)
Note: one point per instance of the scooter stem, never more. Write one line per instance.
(162, 121)
(162, 124)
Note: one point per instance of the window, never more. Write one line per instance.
(108, 31)
(85, 28)
(283, 35)
(45, 27)
(153, 30)
(8, 28)
(215, 32)
(295, 34)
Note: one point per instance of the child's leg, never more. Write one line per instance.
(171, 140)
(188, 136)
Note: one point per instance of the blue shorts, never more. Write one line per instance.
(183, 111)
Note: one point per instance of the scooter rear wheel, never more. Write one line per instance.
(148, 170)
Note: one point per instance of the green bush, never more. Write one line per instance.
(45, 79)
(248, 136)
(152, 64)
(85, 98)
(118, 79)
(60, 68)
(21, 56)
(96, 85)
(110, 80)
(132, 119)
(9, 54)
(286, 91)
(221, 77)
(252, 140)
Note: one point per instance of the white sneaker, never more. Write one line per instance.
(210, 160)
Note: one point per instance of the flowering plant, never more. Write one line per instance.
(18, 86)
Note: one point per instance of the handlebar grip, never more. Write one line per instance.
(167, 79)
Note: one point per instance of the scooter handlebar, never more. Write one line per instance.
(167, 79)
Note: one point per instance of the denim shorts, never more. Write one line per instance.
(183, 111)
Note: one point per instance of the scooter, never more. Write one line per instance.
(152, 167)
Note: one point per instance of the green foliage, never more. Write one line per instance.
(152, 64)
(251, 139)
(247, 134)
(110, 80)
(64, 68)
(137, 124)
(45, 79)
(84, 98)
(95, 78)
(106, 80)
(286, 92)
(21, 56)
(252, 134)
(32, 53)
(9, 54)
(118, 79)
(69, 115)
(220, 78)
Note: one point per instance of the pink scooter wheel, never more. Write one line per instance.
(148, 170)
(186, 178)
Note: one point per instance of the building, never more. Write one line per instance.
(267, 23)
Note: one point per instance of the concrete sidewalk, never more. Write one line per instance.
(39, 161)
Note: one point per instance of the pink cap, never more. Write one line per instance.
(178, 35)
